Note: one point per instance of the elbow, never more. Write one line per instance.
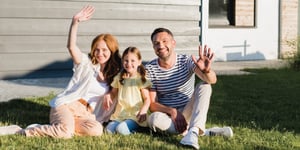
(70, 48)
(69, 45)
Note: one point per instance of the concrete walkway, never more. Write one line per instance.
(21, 88)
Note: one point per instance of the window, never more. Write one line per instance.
(231, 13)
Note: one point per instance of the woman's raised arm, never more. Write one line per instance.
(83, 15)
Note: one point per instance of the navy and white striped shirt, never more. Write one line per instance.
(175, 86)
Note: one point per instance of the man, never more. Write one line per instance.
(176, 105)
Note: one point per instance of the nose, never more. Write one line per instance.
(128, 63)
(159, 45)
(99, 53)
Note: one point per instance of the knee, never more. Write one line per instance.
(65, 133)
(160, 121)
(152, 119)
(96, 130)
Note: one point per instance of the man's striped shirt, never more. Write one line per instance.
(175, 86)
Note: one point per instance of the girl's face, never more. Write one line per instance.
(131, 63)
(102, 52)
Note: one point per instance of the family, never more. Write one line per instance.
(124, 95)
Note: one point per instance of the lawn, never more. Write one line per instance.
(263, 109)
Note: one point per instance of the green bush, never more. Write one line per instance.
(296, 61)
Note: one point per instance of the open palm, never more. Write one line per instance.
(84, 14)
(205, 59)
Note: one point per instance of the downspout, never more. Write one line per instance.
(279, 29)
(204, 20)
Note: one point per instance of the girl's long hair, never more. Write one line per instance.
(141, 69)
(113, 65)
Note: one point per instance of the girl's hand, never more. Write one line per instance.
(84, 14)
(107, 102)
(141, 117)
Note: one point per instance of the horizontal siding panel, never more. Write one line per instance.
(163, 2)
(111, 11)
(25, 74)
(42, 61)
(57, 44)
(51, 27)
(33, 34)
(32, 61)
(77, 3)
(33, 44)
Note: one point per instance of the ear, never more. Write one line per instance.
(173, 42)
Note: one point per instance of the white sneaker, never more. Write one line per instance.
(190, 139)
(8, 130)
(217, 131)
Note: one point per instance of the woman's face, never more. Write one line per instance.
(102, 52)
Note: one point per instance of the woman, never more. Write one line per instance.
(74, 111)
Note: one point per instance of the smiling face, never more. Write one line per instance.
(131, 63)
(163, 45)
(102, 52)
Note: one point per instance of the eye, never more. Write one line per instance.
(96, 51)
(125, 60)
(156, 43)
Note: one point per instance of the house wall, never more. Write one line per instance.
(33, 33)
(244, 42)
(289, 28)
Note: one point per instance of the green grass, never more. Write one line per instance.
(262, 108)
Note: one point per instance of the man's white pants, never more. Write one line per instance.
(195, 112)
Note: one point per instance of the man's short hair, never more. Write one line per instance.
(158, 30)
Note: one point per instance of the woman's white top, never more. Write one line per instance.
(83, 84)
(96, 91)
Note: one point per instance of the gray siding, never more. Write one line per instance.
(33, 33)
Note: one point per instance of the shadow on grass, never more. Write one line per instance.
(166, 137)
(267, 100)
(23, 112)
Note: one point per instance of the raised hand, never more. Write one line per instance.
(84, 14)
(205, 59)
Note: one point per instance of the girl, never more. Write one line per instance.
(131, 88)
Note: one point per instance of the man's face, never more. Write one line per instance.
(163, 45)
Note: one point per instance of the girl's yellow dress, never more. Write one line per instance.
(129, 98)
